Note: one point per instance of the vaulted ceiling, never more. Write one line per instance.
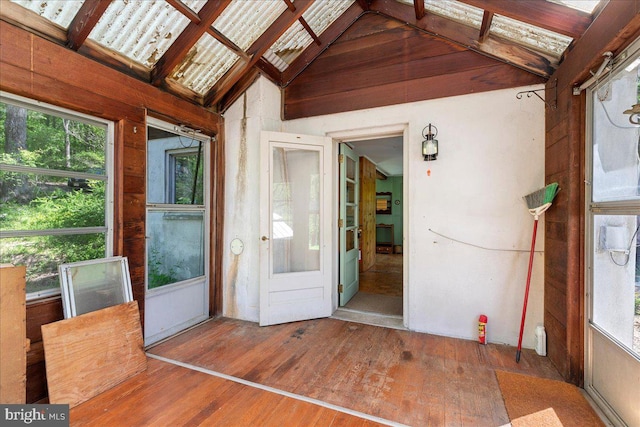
(210, 51)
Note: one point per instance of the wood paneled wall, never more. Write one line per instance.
(367, 214)
(380, 61)
(42, 70)
(564, 287)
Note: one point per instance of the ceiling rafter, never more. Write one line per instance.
(364, 4)
(256, 50)
(499, 49)
(312, 33)
(541, 13)
(185, 10)
(418, 5)
(186, 40)
(227, 42)
(487, 18)
(87, 17)
(327, 37)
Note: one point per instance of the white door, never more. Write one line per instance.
(177, 231)
(348, 223)
(295, 228)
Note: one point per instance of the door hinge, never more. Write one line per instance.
(340, 288)
(340, 223)
(341, 158)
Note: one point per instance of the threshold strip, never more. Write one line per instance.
(280, 392)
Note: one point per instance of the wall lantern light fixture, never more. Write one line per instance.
(634, 114)
(429, 143)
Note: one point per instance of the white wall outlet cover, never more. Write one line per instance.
(237, 246)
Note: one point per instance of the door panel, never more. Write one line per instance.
(176, 231)
(349, 217)
(295, 190)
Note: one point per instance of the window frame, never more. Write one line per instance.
(107, 177)
(613, 207)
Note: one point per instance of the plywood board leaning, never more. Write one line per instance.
(93, 352)
(13, 334)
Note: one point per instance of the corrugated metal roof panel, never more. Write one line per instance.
(244, 21)
(61, 12)
(468, 15)
(321, 14)
(195, 5)
(530, 35)
(290, 45)
(583, 5)
(204, 65)
(296, 39)
(140, 30)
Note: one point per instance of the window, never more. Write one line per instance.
(614, 207)
(55, 192)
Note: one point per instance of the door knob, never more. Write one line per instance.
(265, 238)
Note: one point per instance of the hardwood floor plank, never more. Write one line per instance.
(403, 376)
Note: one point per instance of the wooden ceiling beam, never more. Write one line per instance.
(486, 25)
(85, 20)
(328, 36)
(541, 13)
(228, 43)
(364, 4)
(312, 33)
(418, 5)
(185, 10)
(466, 36)
(257, 49)
(186, 40)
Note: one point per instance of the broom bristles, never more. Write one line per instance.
(542, 197)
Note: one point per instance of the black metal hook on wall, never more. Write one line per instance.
(530, 93)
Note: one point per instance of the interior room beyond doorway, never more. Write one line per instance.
(380, 295)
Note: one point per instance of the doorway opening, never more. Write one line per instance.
(379, 298)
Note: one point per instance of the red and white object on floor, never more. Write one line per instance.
(482, 329)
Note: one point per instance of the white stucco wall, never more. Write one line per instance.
(491, 155)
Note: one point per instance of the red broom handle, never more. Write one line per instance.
(526, 292)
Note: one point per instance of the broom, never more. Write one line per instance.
(537, 202)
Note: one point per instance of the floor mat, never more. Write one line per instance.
(528, 400)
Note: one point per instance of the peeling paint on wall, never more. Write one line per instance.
(231, 294)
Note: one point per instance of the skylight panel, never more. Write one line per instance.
(61, 12)
(244, 21)
(204, 65)
(530, 35)
(140, 30)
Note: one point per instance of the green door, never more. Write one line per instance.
(349, 250)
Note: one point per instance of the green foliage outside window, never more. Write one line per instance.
(31, 201)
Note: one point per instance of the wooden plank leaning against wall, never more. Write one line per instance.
(615, 28)
(39, 69)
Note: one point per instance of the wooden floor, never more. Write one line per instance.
(385, 277)
(395, 375)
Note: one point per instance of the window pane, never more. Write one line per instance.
(37, 202)
(37, 139)
(175, 172)
(42, 255)
(175, 250)
(295, 202)
(615, 140)
(616, 278)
